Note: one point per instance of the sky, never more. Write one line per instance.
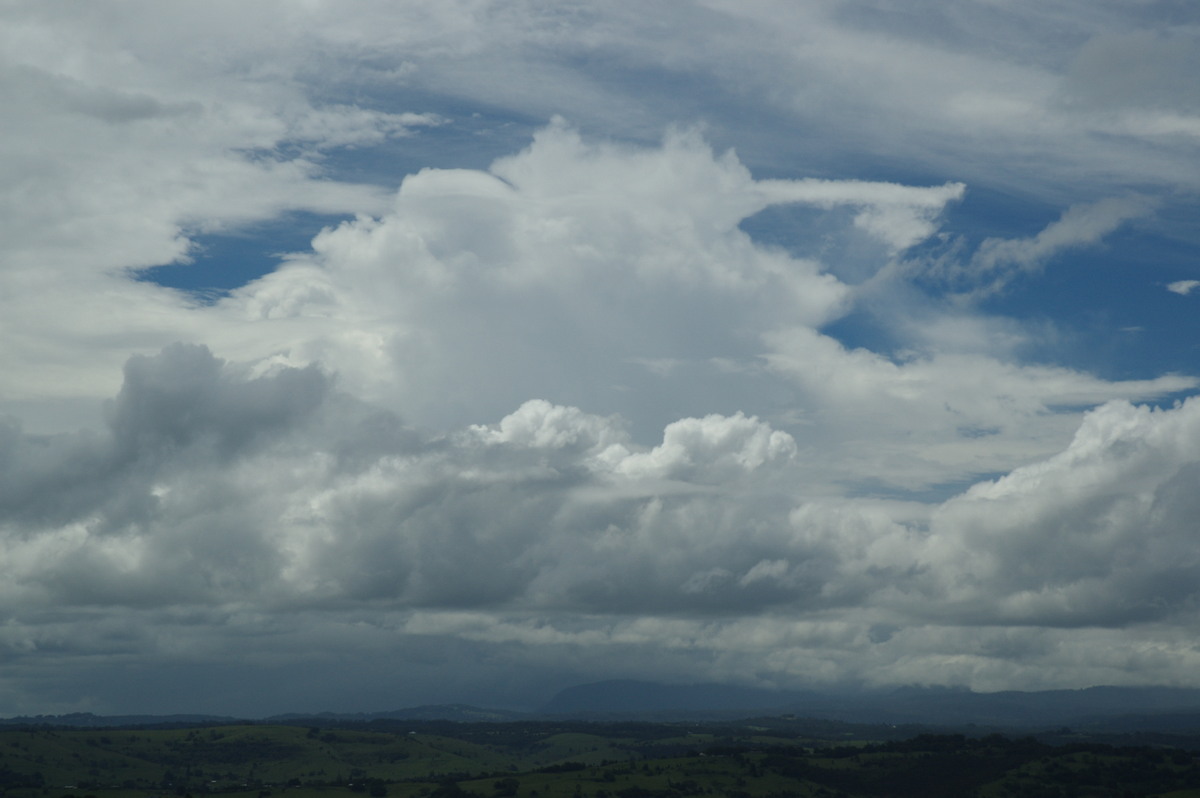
(356, 356)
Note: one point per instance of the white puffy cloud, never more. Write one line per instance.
(1099, 534)
(539, 424)
(725, 445)
(554, 275)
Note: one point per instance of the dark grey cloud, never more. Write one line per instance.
(184, 399)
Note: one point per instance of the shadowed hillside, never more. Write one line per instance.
(761, 758)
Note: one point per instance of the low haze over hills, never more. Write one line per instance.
(910, 705)
(1107, 708)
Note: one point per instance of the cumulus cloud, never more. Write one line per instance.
(1096, 535)
(212, 485)
(574, 271)
(539, 424)
(1183, 287)
(251, 499)
(145, 513)
(718, 445)
(569, 258)
(266, 489)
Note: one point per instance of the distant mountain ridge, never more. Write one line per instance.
(461, 713)
(1093, 708)
(631, 697)
(86, 720)
(904, 705)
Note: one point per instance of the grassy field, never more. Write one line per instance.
(531, 760)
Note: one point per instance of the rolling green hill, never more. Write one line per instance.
(766, 758)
